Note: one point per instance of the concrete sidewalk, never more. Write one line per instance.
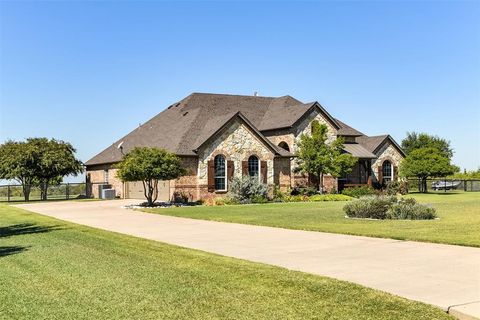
(442, 275)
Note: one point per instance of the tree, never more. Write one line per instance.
(55, 160)
(415, 140)
(317, 157)
(426, 162)
(149, 165)
(38, 161)
(18, 161)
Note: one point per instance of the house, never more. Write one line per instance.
(220, 136)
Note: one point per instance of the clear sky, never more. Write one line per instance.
(90, 72)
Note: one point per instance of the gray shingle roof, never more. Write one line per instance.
(346, 130)
(185, 125)
(357, 150)
(374, 142)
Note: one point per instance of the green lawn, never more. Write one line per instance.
(459, 221)
(51, 269)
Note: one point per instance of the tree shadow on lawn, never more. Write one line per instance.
(6, 251)
(25, 228)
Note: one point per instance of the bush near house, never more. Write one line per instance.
(388, 207)
(248, 189)
(396, 187)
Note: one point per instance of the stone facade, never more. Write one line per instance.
(305, 127)
(387, 152)
(279, 136)
(236, 143)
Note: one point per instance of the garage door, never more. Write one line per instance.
(135, 190)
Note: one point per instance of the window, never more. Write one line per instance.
(105, 176)
(387, 171)
(253, 168)
(284, 146)
(220, 173)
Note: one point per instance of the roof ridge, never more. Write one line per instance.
(232, 95)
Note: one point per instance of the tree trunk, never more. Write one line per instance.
(150, 193)
(320, 183)
(26, 190)
(155, 190)
(424, 184)
(147, 192)
(44, 189)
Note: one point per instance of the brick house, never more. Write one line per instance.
(220, 136)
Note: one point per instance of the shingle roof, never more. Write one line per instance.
(346, 130)
(184, 125)
(374, 142)
(371, 143)
(357, 150)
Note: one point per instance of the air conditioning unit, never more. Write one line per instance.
(108, 194)
(102, 187)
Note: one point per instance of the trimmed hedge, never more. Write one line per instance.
(388, 207)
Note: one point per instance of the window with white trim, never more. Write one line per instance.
(220, 173)
(105, 175)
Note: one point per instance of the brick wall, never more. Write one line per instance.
(97, 176)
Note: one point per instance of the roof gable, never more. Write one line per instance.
(239, 116)
(374, 143)
(186, 124)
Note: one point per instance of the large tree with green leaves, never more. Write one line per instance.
(317, 157)
(18, 161)
(38, 161)
(415, 140)
(55, 160)
(150, 165)
(426, 162)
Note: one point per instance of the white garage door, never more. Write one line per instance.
(135, 190)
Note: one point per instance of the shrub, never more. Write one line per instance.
(214, 200)
(388, 207)
(278, 195)
(245, 189)
(296, 198)
(181, 197)
(259, 199)
(306, 191)
(410, 209)
(396, 187)
(330, 197)
(358, 192)
(374, 207)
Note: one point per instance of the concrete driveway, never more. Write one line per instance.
(443, 275)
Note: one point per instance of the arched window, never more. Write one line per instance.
(253, 166)
(220, 173)
(284, 146)
(387, 171)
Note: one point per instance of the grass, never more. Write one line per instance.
(459, 221)
(51, 269)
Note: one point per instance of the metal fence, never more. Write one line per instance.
(445, 185)
(65, 191)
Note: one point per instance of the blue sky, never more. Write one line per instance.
(90, 72)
